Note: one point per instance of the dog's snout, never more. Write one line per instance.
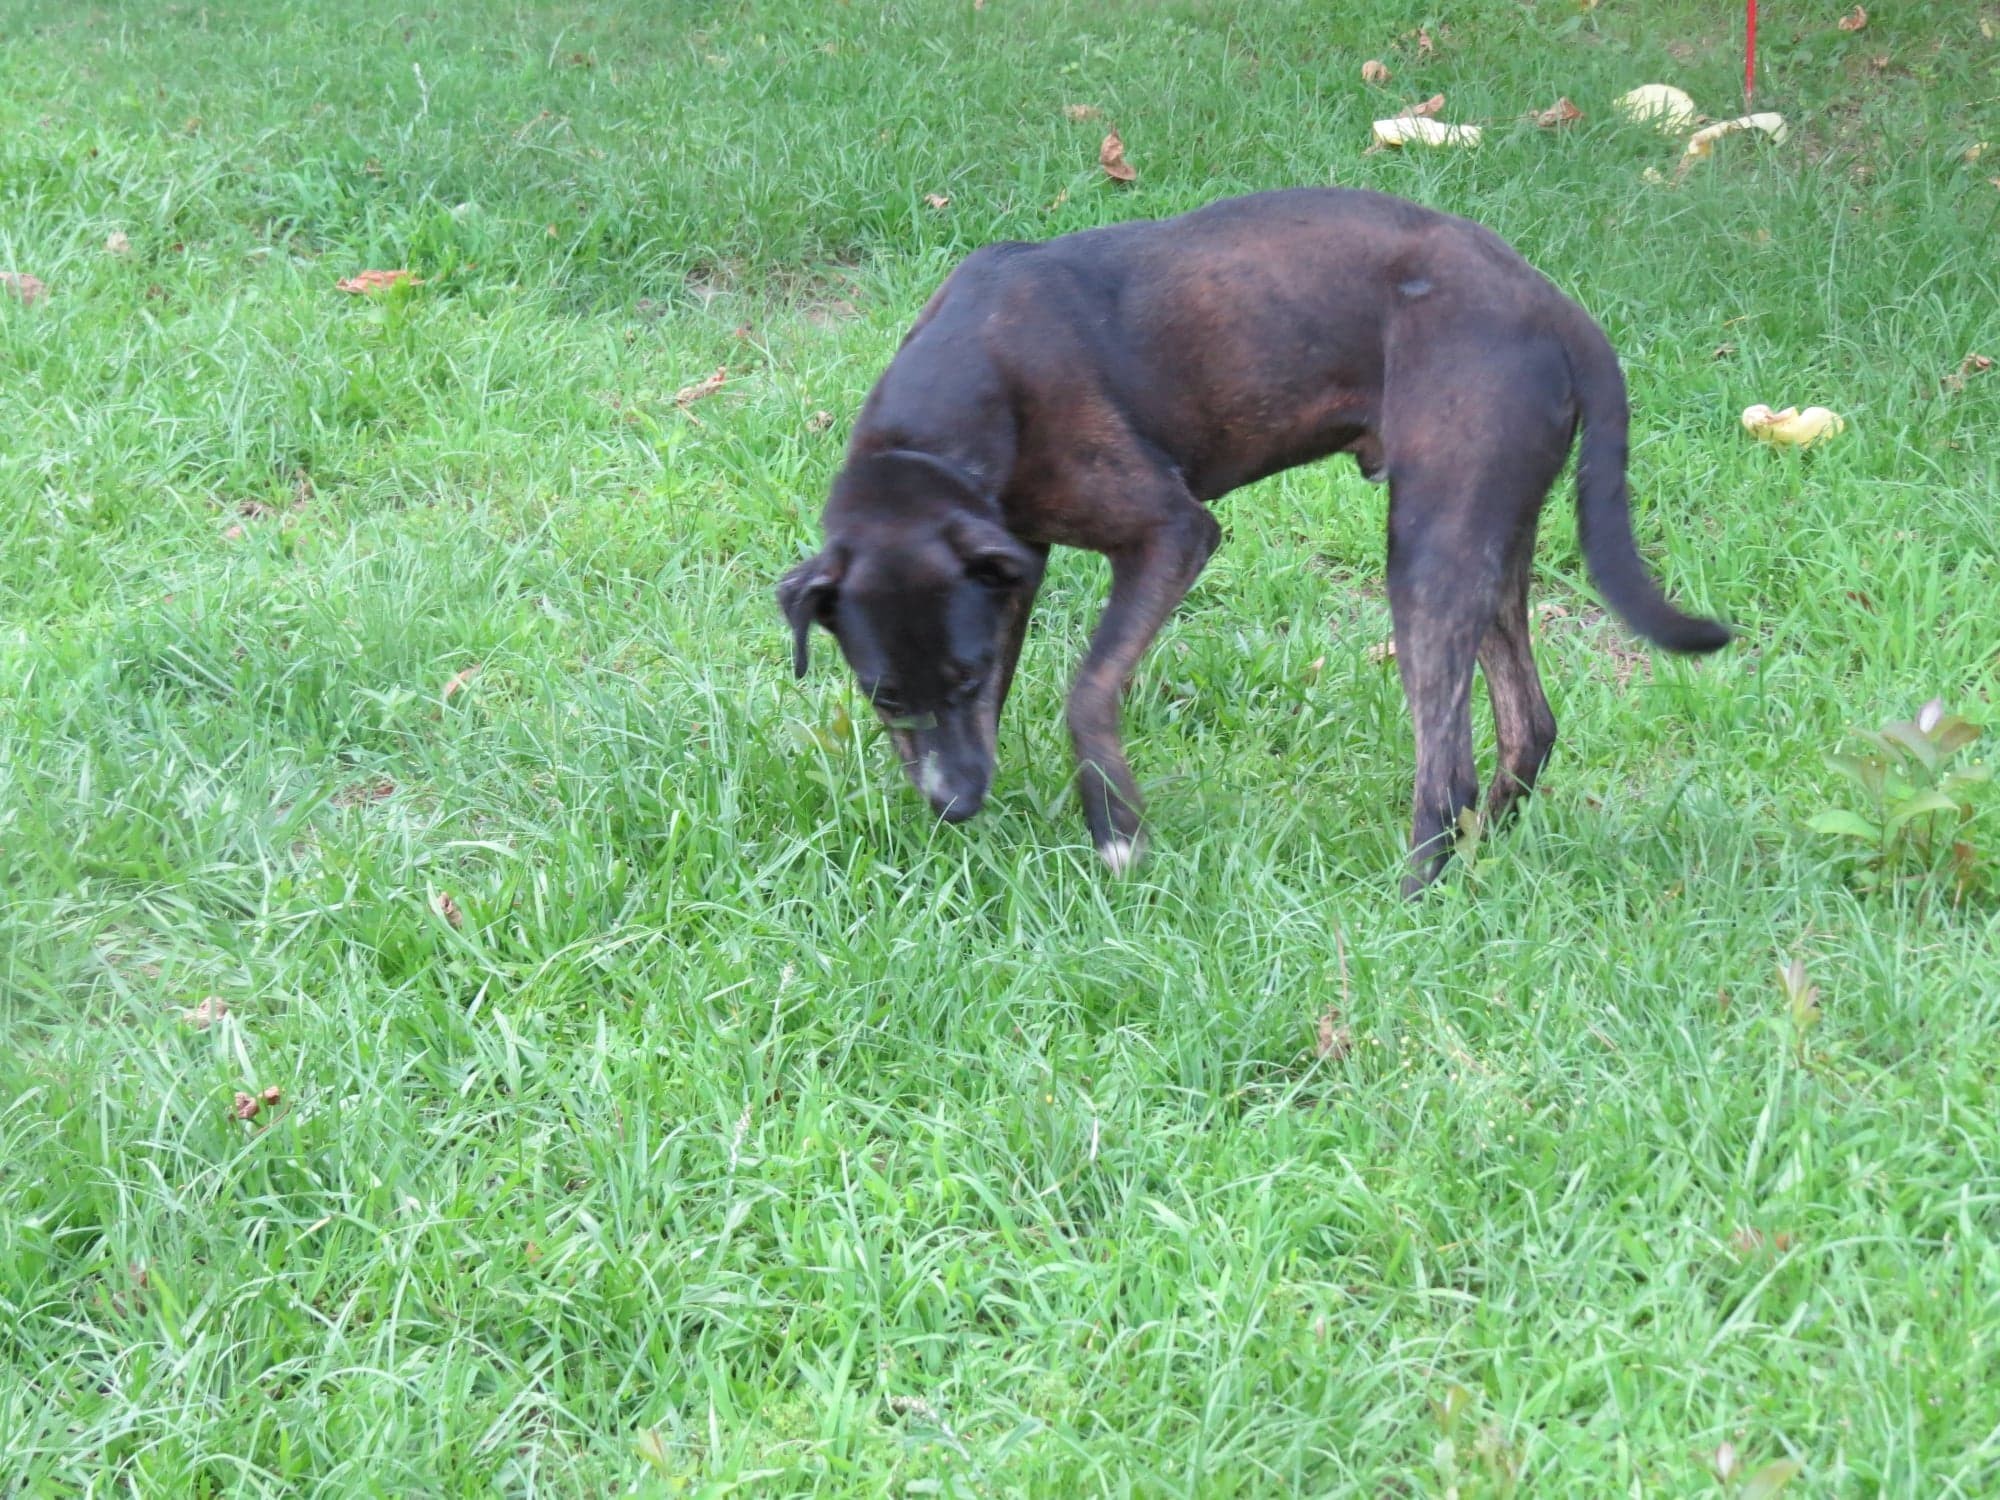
(955, 792)
(959, 809)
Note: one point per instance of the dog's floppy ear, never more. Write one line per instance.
(806, 594)
(991, 554)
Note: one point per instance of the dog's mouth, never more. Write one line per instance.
(944, 763)
(955, 802)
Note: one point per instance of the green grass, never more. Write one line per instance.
(755, 1134)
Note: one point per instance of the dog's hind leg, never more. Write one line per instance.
(1148, 579)
(1444, 583)
(1522, 722)
(1462, 514)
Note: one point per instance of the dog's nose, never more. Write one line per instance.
(955, 794)
(960, 808)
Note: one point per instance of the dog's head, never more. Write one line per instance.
(918, 586)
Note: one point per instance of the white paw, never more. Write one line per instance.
(1120, 855)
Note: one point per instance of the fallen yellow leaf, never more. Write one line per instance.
(1413, 130)
(1702, 142)
(1791, 427)
(1658, 104)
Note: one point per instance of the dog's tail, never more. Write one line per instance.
(1603, 510)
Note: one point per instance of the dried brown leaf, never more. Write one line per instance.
(1724, 350)
(246, 1106)
(1382, 651)
(368, 283)
(1334, 1040)
(1078, 113)
(1972, 364)
(117, 243)
(702, 389)
(458, 681)
(1747, 1242)
(1375, 71)
(232, 534)
(1111, 157)
(1854, 20)
(448, 909)
(206, 1014)
(1428, 110)
(819, 421)
(1562, 112)
(27, 289)
(937, 200)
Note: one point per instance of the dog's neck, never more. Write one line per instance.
(950, 409)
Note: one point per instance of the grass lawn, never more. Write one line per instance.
(667, 1104)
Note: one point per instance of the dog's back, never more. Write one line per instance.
(1248, 336)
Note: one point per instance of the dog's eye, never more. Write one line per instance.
(962, 682)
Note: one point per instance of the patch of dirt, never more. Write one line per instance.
(1606, 637)
(368, 789)
(828, 312)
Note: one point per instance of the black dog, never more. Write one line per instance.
(1099, 389)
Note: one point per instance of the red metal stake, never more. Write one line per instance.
(1750, 54)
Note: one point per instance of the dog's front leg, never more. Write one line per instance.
(1012, 634)
(1147, 581)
